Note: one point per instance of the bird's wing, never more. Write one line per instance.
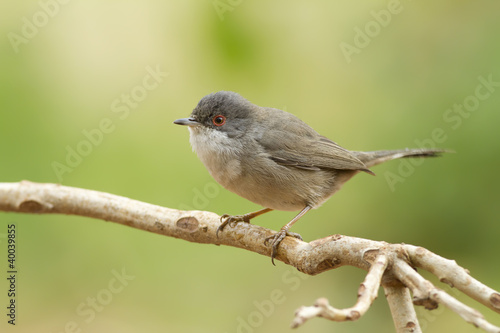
(293, 143)
(328, 154)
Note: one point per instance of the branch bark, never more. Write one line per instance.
(389, 265)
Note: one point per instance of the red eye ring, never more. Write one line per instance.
(219, 120)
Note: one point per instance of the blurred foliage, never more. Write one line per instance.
(76, 67)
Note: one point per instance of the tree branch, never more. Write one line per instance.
(388, 265)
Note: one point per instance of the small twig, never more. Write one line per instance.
(402, 309)
(367, 293)
(467, 313)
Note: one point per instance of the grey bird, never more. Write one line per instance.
(273, 158)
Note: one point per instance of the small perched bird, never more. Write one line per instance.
(273, 158)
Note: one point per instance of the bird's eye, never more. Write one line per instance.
(219, 120)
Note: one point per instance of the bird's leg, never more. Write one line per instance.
(275, 240)
(232, 220)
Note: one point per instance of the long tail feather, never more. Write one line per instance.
(371, 158)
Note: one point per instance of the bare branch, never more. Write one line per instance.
(390, 265)
(367, 293)
(194, 226)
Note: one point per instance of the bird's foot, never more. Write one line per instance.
(232, 220)
(275, 240)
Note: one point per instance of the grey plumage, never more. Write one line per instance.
(273, 158)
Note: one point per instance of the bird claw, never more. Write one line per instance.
(275, 240)
(232, 220)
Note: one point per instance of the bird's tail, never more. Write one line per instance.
(371, 158)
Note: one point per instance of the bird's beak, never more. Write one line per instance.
(187, 122)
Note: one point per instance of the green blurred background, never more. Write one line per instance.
(68, 74)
